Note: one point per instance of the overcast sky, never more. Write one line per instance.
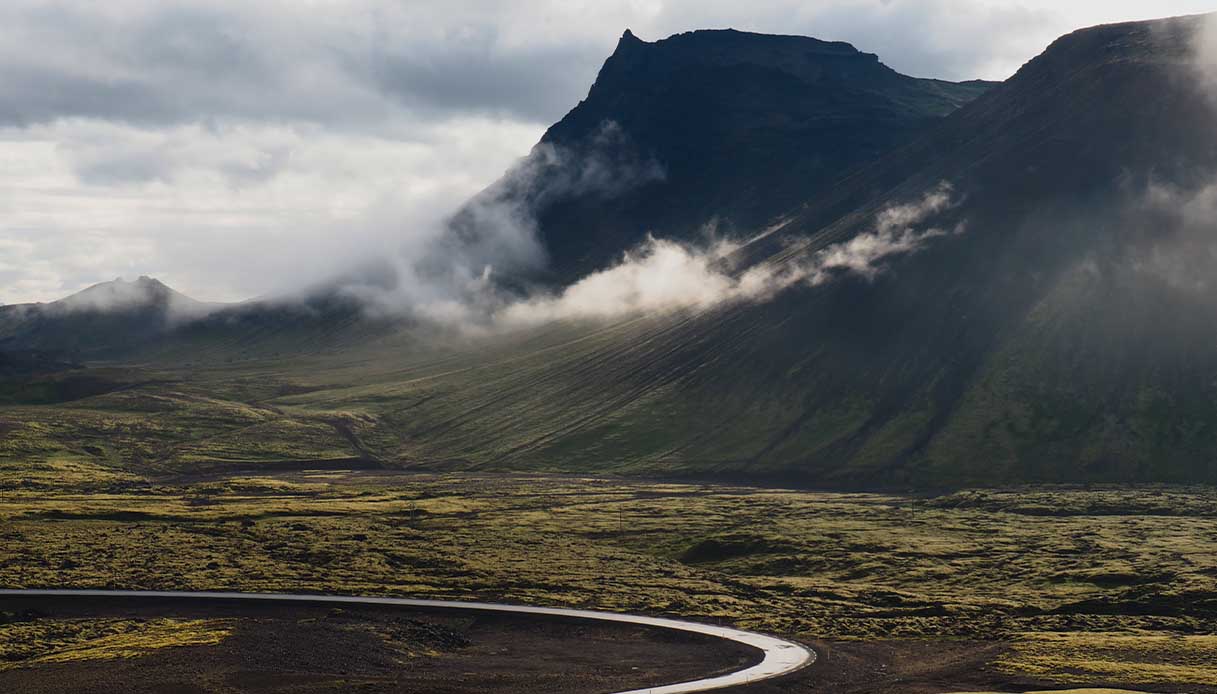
(235, 148)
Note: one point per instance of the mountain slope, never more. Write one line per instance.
(704, 126)
(1066, 335)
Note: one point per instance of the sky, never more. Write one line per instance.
(236, 149)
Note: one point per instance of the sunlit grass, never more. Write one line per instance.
(1129, 658)
(63, 640)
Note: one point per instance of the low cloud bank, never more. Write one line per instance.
(1204, 52)
(1178, 222)
(457, 269)
(1179, 242)
(664, 275)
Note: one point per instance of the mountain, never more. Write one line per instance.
(703, 125)
(1066, 336)
(104, 317)
(716, 126)
(1059, 328)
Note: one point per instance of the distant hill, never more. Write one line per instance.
(716, 125)
(105, 317)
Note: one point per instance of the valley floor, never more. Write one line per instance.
(998, 589)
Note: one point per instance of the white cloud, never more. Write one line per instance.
(663, 275)
(1204, 47)
(87, 202)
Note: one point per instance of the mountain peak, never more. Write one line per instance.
(103, 316)
(122, 295)
(641, 66)
(720, 112)
(629, 43)
(732, 46)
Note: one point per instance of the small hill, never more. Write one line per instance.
(102, 318)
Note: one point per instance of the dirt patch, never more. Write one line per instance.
(919, 666)
(294, 648)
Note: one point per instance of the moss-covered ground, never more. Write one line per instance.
(1075, 580)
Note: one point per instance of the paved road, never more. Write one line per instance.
(781, 657)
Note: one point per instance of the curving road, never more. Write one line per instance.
(781, 657)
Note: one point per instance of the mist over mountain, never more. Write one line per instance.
(718, 131)
(704, 133)
(1066, 336)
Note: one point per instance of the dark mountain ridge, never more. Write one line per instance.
(709, 126)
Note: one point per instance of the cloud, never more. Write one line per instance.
(1175, 221)
(664, 275)
(455, 268)
(103, 154)
(497, 228)
(368, 64)
(233, 148)
(1204, 55)
(1177, 240)
(360, 65)
(229, 212)
(661, 275)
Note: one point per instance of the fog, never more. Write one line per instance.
(664, 275)
(1204, 49)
